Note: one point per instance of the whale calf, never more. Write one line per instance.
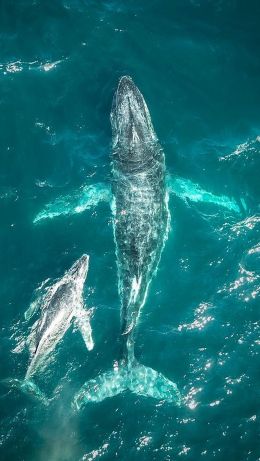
(60, 306)
(141, 223)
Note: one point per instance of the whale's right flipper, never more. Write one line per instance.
(136, 377)
(85, 198)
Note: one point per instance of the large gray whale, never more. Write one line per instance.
(141, 223)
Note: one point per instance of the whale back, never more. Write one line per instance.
(141, 214)
(56, 299)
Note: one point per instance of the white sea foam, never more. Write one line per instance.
(191, 399)
(96, 454)
(246, 285)
(17, 66)
(202, 318)
(240, 228)
(244, 150)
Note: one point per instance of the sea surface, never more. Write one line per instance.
(197, 64)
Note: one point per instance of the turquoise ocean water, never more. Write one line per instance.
(197, 64)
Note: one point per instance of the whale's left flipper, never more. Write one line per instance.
(27, 387)
(135, 377)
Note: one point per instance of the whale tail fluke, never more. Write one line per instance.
(135, 377)
(28, 387)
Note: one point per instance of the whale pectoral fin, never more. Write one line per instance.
(83, 199)
(187, 190)
(106, 385)
(82, 323)
(32, 309)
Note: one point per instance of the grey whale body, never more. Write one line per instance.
(59, 307)
(139, 190)
(141, 223)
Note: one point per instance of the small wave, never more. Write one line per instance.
(202, 318)
(43, 184)
(14, 67)
(7, 193)
(191, 400)
(47, 66)
(255, 249)
(143, 441)
(240, 228)
(245, 286)
(245, 150)
(251, 260)
(95, 454)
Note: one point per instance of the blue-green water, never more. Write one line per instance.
(197, 64)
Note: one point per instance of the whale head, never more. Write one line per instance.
(132, 129)
(79, 269)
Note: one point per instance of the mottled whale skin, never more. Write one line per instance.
(61, 305)
(141, 214)
(141, 222)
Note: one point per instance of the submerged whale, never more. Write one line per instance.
(141, 224)
(61, 305)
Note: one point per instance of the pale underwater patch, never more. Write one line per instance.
(186, 189)
(135, 377)
(89, 196)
